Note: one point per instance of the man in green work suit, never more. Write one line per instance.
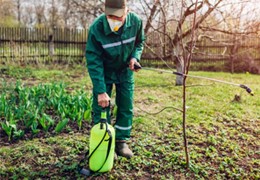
(114, 46)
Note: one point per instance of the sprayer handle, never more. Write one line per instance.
(136, 66)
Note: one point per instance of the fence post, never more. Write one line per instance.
(51, 45)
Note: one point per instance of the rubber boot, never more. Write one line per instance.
(122, 149)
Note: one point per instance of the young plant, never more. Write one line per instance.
(61, 125)
(9, 126)
(34, 127)
(46, 122)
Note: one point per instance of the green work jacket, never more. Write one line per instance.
(108, 53)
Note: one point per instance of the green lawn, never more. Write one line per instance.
(223, 134)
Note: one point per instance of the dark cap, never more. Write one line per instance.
(115, 7)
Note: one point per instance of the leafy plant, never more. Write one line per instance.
(35, 108)
(61, 125)
(8, 128)
(46, 121)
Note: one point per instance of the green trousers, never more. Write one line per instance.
(124, 102)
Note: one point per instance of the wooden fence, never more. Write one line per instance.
(218, 51)
(42, 44)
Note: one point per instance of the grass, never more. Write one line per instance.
(223, 134)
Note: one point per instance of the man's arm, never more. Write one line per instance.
(96, 69)
(95, 63)
(139, 44)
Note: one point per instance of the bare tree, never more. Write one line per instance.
(86, 10)
(66, 12)
(39, 9)
(28, 19)
(241, 20)
(54, 16)
(18, 10)
(7, 17)
(172, 20)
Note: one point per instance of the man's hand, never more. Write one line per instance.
(103, 100)
(132, 62)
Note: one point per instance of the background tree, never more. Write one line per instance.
(85, 11)
(237, 25)
(39, 10)
(7, 17)
(18, 5)
(66, 11)
(29, 18)
(176, 25)
(54, 14)
(172, 20)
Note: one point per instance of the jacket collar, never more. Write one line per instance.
(107, 29)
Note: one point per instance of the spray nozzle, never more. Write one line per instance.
(247, 89)
(85, 172)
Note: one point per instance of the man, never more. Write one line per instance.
(114, 45)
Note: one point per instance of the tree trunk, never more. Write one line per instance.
(180, 69)
(179, 54)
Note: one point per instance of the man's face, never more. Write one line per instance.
(122, 18)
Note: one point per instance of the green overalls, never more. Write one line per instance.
(108, 54)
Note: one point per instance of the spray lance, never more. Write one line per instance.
(248, 90)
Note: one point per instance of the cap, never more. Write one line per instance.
(115, 7)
